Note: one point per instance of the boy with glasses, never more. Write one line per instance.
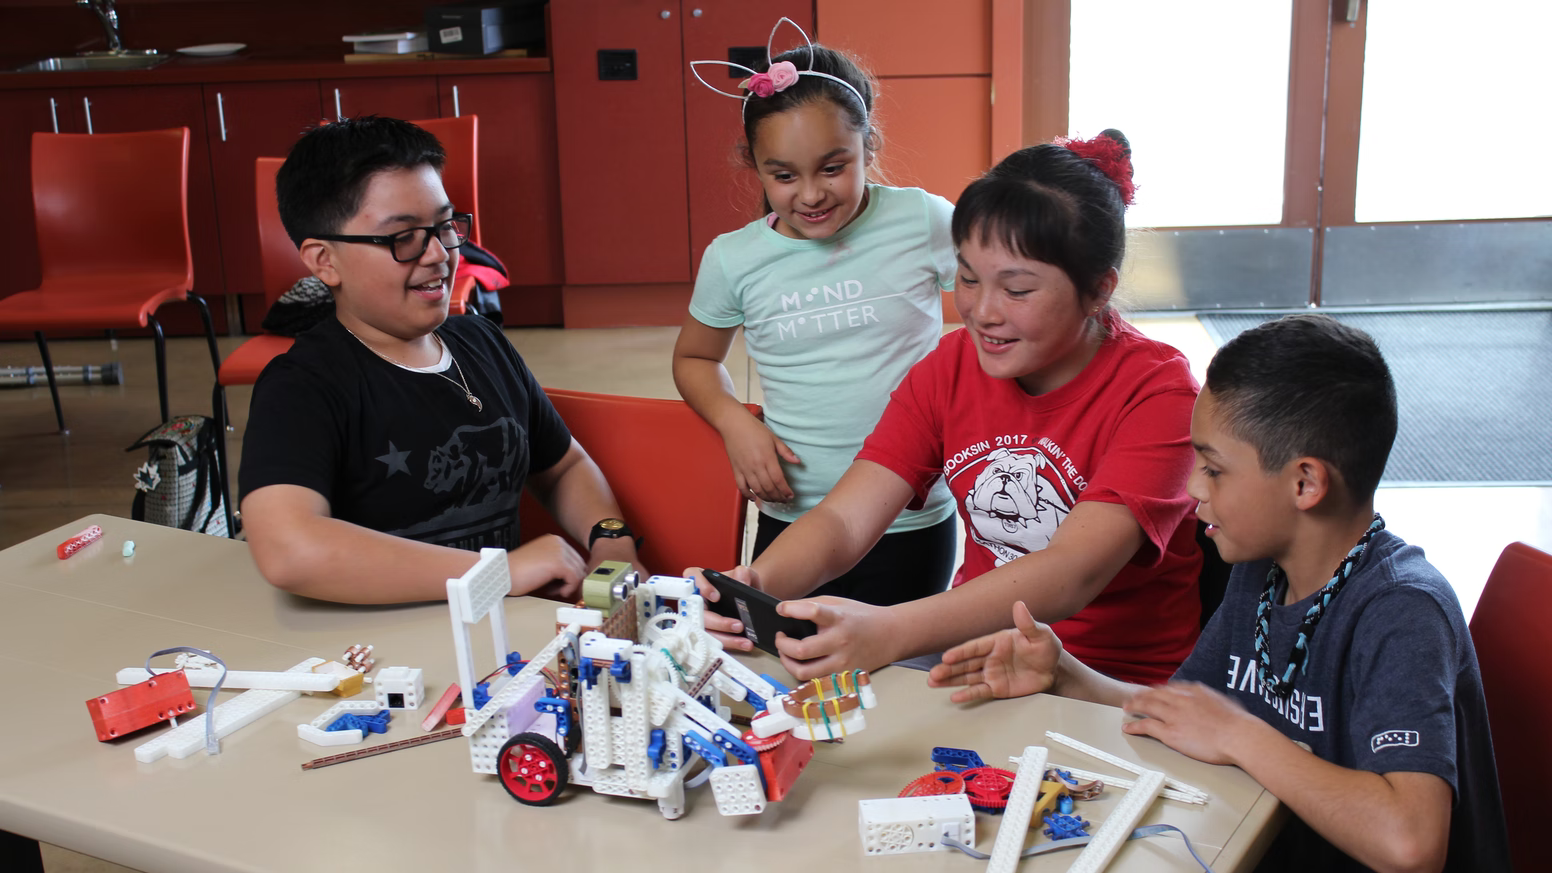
(391, 442)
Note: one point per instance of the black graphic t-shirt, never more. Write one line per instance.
(1391, 685)
(403, 452)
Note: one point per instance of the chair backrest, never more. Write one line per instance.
(280, 266)
(1509, 630)
(669, 472)
(112, 201)
(460, 138)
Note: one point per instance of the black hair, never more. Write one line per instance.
(812, 89)
(324, 178)
(1309, 386)
(1046, 203)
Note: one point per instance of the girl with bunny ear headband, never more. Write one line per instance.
(838, 289)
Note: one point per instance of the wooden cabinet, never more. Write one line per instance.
(25, 113)
(519, 186)
(622, 143)
(397, 97)
(250, 120)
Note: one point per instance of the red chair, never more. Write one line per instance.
(113, 239)
(1508, 628)
(669, 472)
(460, 139)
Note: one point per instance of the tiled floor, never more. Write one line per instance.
(47, 479)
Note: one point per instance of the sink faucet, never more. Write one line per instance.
(110, 21)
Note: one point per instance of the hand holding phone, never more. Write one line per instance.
(757, 610)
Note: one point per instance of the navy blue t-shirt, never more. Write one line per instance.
(1391, 685)
(402, 452)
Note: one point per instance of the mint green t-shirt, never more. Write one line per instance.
(833, 325)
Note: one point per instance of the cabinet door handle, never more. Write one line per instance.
(87, 103)
(339, 114)
(665, 14)
(696, 13)
(54, 113)
(455, 101)
(221, 114)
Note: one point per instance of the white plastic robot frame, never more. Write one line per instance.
(629, 694)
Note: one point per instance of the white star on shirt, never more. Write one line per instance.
(396, 460)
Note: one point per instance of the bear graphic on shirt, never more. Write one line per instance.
(1016, 504)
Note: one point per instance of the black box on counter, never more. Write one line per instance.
(485, 28)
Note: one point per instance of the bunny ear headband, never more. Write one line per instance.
(779, 76)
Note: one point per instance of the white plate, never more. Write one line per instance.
(214, 49)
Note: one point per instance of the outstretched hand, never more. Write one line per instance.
(1009, 663)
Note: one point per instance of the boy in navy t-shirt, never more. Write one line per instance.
(1334, 633)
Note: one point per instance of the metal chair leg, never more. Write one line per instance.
(219, 415)
(161, 366)
(48, 368)
(215, 352)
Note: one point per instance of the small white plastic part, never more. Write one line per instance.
(129, 549)
(231, 716)
(1123, 818)
(1015, 817)
(582, 617)
(406, 682)
(902, 825)
(1082, 775)
(317, 733)
(1124, 764)
(235, 679)
(738, 790)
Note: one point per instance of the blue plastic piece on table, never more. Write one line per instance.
(1064, 804)
(375, 724)
(957, 760)
(1061, 827)
(481, 695)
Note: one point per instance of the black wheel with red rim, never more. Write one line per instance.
(533, 769)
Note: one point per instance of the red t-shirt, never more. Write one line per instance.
(1118, 433)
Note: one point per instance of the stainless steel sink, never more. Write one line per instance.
(143, 60)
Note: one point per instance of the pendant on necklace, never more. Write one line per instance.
(475, 401)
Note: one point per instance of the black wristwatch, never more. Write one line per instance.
(609, 528)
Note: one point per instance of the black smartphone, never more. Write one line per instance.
(757, 610)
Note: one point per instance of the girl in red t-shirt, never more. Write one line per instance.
(1063, 433)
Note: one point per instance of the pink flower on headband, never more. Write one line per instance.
(760, 85)
(783, 75)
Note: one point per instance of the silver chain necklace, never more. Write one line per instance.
(469, 395)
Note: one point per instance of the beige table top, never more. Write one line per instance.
(67, 626)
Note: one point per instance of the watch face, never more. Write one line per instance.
(612, 524)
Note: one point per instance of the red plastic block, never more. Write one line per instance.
(456, 715)
(139, 706)
(781, 763)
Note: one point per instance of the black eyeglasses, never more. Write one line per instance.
(410, 245)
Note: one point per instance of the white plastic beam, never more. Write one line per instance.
(231, 716)
(1123, 818)
(235, 679)
(1021, 805)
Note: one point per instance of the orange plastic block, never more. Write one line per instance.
(782, 764)
(139, 706)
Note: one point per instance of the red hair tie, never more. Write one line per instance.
(1112, 157)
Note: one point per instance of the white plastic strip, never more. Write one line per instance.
(1097, 854)
(1124, 764)
(1082, 775)
(266, 680)
(231, 716)
(1021, 805)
